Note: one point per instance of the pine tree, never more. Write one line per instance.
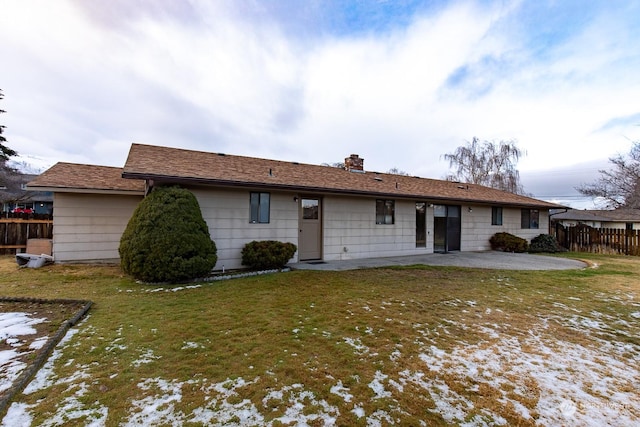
(5, 152)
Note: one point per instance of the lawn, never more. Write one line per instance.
(408, 346)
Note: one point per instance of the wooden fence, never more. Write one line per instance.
(14, 232)
(582, 238)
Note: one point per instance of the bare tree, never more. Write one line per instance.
(339, 165)
(396, 171)
(618, 187)
(488, 163)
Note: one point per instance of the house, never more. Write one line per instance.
(626, 219)
(329, 213)
(16, 198)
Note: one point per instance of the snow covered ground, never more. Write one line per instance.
(542, 379)
(15, 332)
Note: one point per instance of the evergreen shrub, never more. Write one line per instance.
(267, 254)
(166, 239)
(507, 242)
(545, 243)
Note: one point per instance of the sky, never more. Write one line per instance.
(401, 83)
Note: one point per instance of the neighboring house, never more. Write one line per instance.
(628, 219)
(329, 213)
(16, 198)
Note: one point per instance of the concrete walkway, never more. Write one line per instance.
(485, 259)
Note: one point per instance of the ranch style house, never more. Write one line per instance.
(329, 213)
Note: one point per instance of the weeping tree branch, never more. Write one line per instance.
(488, 163)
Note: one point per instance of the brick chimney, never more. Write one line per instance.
(354, 163)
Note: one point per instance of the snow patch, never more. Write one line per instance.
(12, 326)
(377, 386)
(357, 345)
(342, 391)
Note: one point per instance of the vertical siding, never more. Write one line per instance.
(227, 215)
(88, 227)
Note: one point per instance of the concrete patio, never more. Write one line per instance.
(484, 259)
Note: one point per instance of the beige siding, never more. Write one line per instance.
(351, 232)
(619, 225)
(597, 224)
(477, 228)
(227, 215)
(594, 224)
(88, 227)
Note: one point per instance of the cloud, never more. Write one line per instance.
(621, 122)
(399, 83)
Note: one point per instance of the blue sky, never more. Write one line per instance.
(399, 82)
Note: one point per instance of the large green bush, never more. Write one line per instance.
(545, 243)
(267, 254)
(508, 243)
(166, 239)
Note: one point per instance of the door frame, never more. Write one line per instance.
(317, 252)
(421, 225)
(449, 221)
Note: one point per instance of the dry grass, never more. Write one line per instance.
(276, 337)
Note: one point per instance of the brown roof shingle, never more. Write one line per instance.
(197, 167)
(620, 215)
(78, 177)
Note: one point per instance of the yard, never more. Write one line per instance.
(409, 346)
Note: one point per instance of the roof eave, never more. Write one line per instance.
(88, 190)
(324, 190)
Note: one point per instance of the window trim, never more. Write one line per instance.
(527, 220)
(496, 215)
(388, 210)
(258, 200)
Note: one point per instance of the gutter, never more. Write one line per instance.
(152, 180)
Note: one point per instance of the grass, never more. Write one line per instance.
(341, 344)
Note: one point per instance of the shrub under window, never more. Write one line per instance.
(545, 243)
(267, 254)
(508, 243)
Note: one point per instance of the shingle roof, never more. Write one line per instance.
(165, 164)
(621, 215)
(73, 177)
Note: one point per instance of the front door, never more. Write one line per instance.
(446, 228)
(310, 241)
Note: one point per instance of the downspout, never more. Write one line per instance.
(148, 186)
(555, 234)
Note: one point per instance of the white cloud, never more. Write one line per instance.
(84, 80)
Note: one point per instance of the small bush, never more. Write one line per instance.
(166, 239)
(508, 243)
(267, 254)
(545, 243)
